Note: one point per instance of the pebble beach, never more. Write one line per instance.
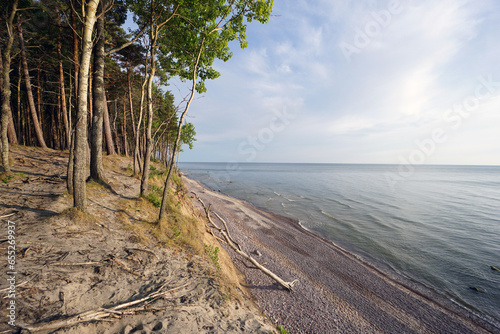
(336, 292)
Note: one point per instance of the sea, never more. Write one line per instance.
(435, 225)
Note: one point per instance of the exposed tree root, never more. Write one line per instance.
(103, 313)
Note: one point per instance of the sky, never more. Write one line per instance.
(361, 81)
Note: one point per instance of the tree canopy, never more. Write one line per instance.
(70, 67)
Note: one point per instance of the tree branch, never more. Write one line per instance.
(128, 43)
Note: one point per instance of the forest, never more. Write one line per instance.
(76, 75)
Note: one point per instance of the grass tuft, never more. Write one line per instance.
(282, 330)
(6, 177)
(213, 254)
(78, 217)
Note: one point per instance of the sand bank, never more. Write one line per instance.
(93, 275)
(336, 293)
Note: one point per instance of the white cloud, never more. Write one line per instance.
(393, 92)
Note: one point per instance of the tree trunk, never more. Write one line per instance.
(20, 121)
(62, 93)
(31, 101)
(55, 120)
(114, 131)
(91, 97)
(107, 129)
(81, 144)
(96, 167)
(130, 99)
(62, 90)
(137, 155)
(6, 90)
(71, 163)
(11, 130)
(124, 129)
(76, 61)
(171, 165)
(147, 154)
(39, 98)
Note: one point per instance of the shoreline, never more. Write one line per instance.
(359, 293)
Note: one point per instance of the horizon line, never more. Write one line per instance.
(338, 163)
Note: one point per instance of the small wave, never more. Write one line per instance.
(326, 214)
(303, 226)
(277, 194)
(341, 203)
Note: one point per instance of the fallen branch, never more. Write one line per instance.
(142, 250)
(90, 263)
(124, 267)
(5, 216)
(100, 313)
(20, 284)
(229, 241)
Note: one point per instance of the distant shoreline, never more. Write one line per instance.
(291, 252)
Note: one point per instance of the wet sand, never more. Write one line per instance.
(336, 292)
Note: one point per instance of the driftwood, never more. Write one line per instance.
(236, 247)
(5, 216)
(102, 313)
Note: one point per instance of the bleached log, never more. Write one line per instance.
(229, 241)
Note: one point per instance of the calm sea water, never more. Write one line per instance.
(437, 225)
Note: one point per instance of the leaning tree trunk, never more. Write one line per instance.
(171, 165)
(31, 101)
(6, 90)
(39, 97)
(96, 167)
(79, 174)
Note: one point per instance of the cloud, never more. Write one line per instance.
(393, 92)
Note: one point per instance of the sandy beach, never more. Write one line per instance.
(336, 292)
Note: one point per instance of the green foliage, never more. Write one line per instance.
(176, 178)
(5, 178)
(187, 135)
(154, 199)
(155, 196)
(282, 330)
(157, 189)
(207, 26)
(153, 171)
(213, 254)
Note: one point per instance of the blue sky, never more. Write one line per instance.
(399, 82)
